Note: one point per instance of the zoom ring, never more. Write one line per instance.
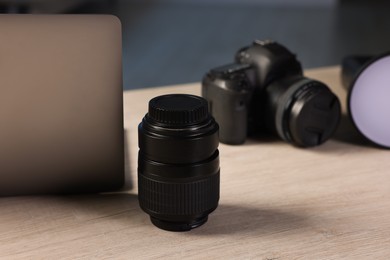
(171, 198)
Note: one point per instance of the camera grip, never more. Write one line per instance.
(230, 110)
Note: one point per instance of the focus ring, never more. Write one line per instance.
(170, 198)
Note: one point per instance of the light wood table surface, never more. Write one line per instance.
(277, 202)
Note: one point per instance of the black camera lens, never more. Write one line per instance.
(301, 111)
(178, 162)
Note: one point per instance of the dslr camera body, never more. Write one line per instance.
(265, 91)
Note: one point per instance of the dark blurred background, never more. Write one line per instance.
(176, 41)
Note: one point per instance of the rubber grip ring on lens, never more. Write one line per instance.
(174, 198)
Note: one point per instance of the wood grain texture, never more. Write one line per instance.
(277, 202)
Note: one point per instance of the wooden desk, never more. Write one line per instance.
(277, 202)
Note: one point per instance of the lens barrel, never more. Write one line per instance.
(301, 111)
(178, 163)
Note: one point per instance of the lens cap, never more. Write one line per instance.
(314, 115)
(178, 109)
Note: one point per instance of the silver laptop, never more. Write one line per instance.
(61, 116)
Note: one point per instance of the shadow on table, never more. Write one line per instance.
(346, 133)
(122, 211)
(262, 138)
(226, 219)
(231, 219)
(119, 207)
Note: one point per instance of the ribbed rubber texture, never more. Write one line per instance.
(178, 109)
(170, 198)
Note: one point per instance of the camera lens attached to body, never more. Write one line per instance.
(178, 163)
(301, 111)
